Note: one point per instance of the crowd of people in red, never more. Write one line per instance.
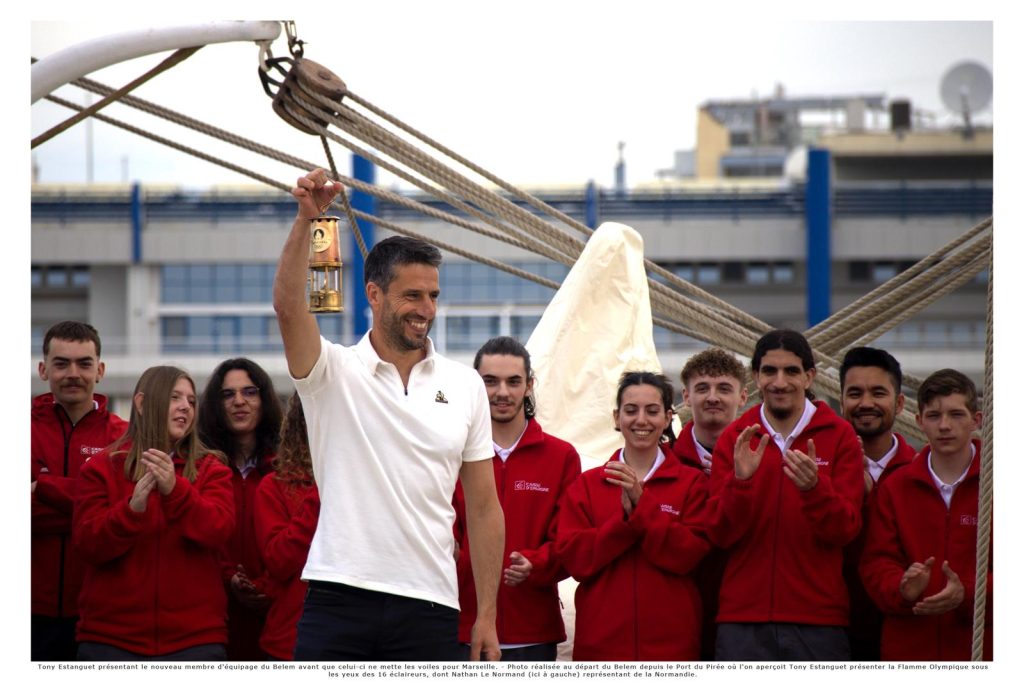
(787, 532)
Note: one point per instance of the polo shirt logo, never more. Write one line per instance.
(439, 398)
(968, 520)
(669, 509)
(527, 486)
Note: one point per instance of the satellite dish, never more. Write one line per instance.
(966, 88)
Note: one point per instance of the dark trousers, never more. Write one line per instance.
(94, 651)
(345, 623)
(521, 654)
(53, 639)
(781, 642)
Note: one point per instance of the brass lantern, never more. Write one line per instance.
(324, 281)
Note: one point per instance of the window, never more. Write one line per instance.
(783, 273)
(733, 272)
(80, 277)
(217, 283)
(56, 278)
(37, 278)
(883, 272)
(222, 333)
(860, 271)
(758, 273)
(708, 273)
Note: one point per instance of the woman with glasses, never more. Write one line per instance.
(240, 415)
(151, 515)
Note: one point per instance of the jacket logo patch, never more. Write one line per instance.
(968, 520)
(669, 509)
(821, 462)
(527, 486)
(439, 398)
(89, 451)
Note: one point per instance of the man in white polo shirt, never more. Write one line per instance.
(392, 426)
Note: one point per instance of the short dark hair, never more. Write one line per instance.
(658, 381)
(506, 345)
(394, 251)
(713, 362)
(212, 417)
(788, 340)
(69, 330)
(866, 356)
(947, 382)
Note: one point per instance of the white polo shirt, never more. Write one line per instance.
(386, 460)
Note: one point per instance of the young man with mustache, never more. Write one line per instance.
(69, 425)
(870, 380)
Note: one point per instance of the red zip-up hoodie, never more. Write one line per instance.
(152, 580)
(910, 522)
(709, 573)
(530, 486)
(59, 449)
(637, 600)
(286, 518)
(785, 547)
(865, 618)
(245, 624)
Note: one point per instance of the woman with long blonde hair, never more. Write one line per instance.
(151, 515)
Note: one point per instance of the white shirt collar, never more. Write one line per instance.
(805, 419)
(946, 489)
(368, 354)
(505, 452)
(702, 452)
(876, 468)
(658, 461)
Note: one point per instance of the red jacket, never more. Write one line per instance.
(59, 449)
(286, 518)
(530, 486)
(637, 600)
(152, 580)
(910, 522)
(785, 546)
(709, 573)
(865, 618)
(245, 624)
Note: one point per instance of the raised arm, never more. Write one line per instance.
(299, 330)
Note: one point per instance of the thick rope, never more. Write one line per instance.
(729, 328)
(352, 222)
(176, 58)
(984, 493)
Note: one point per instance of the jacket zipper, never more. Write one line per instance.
(63, 538)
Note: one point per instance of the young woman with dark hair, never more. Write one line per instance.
(152, 514)
(287, 509)
(240, 414)
(631, 533)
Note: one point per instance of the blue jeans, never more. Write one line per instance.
(345, 623)
(781, 642)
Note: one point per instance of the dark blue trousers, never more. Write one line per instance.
(345, 623)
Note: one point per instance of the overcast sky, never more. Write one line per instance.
(536, 94)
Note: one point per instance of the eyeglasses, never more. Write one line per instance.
(248, 392)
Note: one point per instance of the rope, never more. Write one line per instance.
(984, 493)
(719, 323)
(176, 58)
(356, 232)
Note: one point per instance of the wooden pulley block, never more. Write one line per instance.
(308, 74)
